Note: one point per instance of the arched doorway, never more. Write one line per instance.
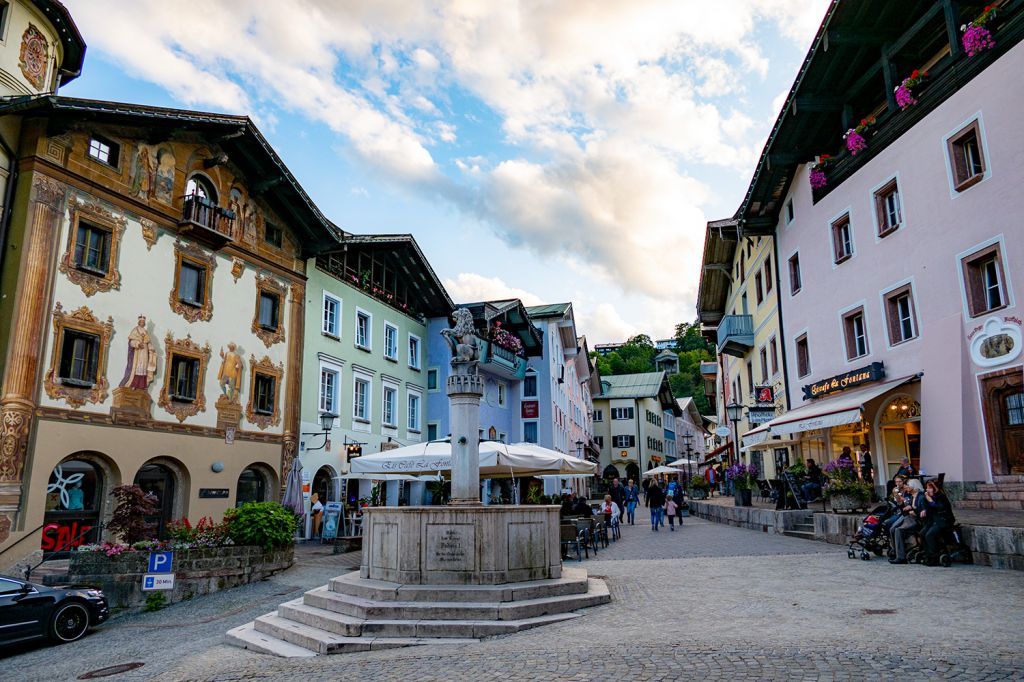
(633, 473)
(610, 472)
(159, 481)
(899, 426)
(74, 507)
(253, 486)
(324, 485)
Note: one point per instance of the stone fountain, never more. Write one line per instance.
(442, 574)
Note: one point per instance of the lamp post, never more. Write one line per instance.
(579, 455)
(688, 440)
(734, 411)
(326, 423)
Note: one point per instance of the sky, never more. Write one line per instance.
(552, 151)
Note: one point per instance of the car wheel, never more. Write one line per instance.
(69, 622)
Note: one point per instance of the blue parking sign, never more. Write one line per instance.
(160, 562)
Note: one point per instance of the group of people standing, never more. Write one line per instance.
(621, 503)
(669, 501)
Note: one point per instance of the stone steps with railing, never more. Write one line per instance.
(1005, 493)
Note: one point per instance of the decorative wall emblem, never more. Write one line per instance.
(237, 268)
(81, 320)
(188, 252)
(271, 286)
(190, 349)
(998, 342)
(93, 219)
(267, 369)
(33, 59)
(149, 233)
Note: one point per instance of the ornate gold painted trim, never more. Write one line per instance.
(189, 252)
(267, 368)
(187, 348)
(271, 286)
(103, 218)
(84, 321)
(237, 268)
(149, 233)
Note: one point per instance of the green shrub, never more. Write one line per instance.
(263, 524)
(699, 483)
(155, 601)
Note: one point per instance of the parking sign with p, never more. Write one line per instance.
(160, 562)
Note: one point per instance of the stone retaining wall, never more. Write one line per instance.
(196, 572)
(754, 518)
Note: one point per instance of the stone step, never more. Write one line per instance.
(806, 535)
(1001, 487)
(994, 495)
(1011, 505)
(367, 609)
(1015, 478)
(802, 527)
(573, 581)
(322, 642)
(341, 624)
(967, 504)
(246, 637)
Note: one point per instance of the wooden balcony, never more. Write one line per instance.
(736, 335)
(204, 221)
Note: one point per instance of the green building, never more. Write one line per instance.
(364, 359)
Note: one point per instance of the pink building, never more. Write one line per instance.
(898, 278)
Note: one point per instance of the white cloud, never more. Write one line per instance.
(470, 287)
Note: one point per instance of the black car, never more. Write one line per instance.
(29, 611)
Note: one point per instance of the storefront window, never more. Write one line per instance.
(73, 499)
(251, 488)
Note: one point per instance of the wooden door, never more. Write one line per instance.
(1004, 421)
(894, 440)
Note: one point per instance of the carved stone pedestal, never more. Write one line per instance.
(131, 405)
(229, 414)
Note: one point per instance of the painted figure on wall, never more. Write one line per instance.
(141, 365)
(153, 173)
(235, 206)
(230, 374)
(252, 220)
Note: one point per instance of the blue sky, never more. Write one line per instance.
(549, 150)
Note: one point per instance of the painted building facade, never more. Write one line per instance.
(153, 315)
(629, 423)
(365, 358)
(901, 264)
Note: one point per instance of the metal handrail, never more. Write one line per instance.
(70, 544)
(23, 537)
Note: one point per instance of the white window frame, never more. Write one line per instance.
(536, 384)
(1010, 301)
(883, 297)
(502, 394)
(598, 415)
(982, 141)
(415, 359)
(366, 418)
(390, 327)
(336, 371)
(369, 329)
(392, 390)
(413, 425)
(336, 332)
(848, 214)
(536, 423)
(863, 306)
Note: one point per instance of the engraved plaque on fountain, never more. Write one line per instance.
(451, 547)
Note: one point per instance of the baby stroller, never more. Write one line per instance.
(871, 537)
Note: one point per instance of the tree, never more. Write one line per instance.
(128, 520)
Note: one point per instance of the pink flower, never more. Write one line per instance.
(977, 39)
(904, 97)
(818, 179)
(855, 142)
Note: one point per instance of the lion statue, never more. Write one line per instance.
(462, 338)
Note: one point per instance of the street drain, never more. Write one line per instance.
(110, 670)
(879, 612)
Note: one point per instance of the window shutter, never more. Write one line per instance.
(104, 263)
(92, 369)
(956, 153)
(194, 387)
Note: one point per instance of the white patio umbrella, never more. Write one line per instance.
(666, 470)
(497, 460)
(385, 477)
(683, 463)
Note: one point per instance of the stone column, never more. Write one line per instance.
(25, 348)
(465, 389)
(293, 388)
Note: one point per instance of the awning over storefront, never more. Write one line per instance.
(715, 454)
(845, 408)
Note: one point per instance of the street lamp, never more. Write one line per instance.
(579, 455)
(688, 439)
(734, 411)
(326, 423)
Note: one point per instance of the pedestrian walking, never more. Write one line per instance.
(867, 466)
(670, 512)
(709, 476)
(618, 493)
(656, 502)
(679, 496)
(632, 500)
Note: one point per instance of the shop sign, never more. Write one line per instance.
(157, 581)
(840, 382)
(530, 409)
(760, 415)
(213, 493)
(764, 394)
(60, 536)
(332, 516)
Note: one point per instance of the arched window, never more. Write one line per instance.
(252, 487)
(159, 481)
(198, 186)
(900, 409)
(74, 496)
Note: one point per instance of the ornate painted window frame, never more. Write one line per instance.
(188, 252)
(81, 320)
(188, 348)
(266, 368)
(106, 220)
(265, 284)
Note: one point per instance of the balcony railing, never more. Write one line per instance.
(206, 221)
(499, 361)
(736, 335)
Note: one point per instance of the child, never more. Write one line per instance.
(670, 511)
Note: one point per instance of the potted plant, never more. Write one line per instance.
(744, 479)
(977, 38)
(817, 177)
(904, 91)
(854, 137)
(843, 490)
(698, 488)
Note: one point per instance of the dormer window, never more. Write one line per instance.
(104, 150)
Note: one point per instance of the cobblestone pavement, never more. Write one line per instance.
(706, 602)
